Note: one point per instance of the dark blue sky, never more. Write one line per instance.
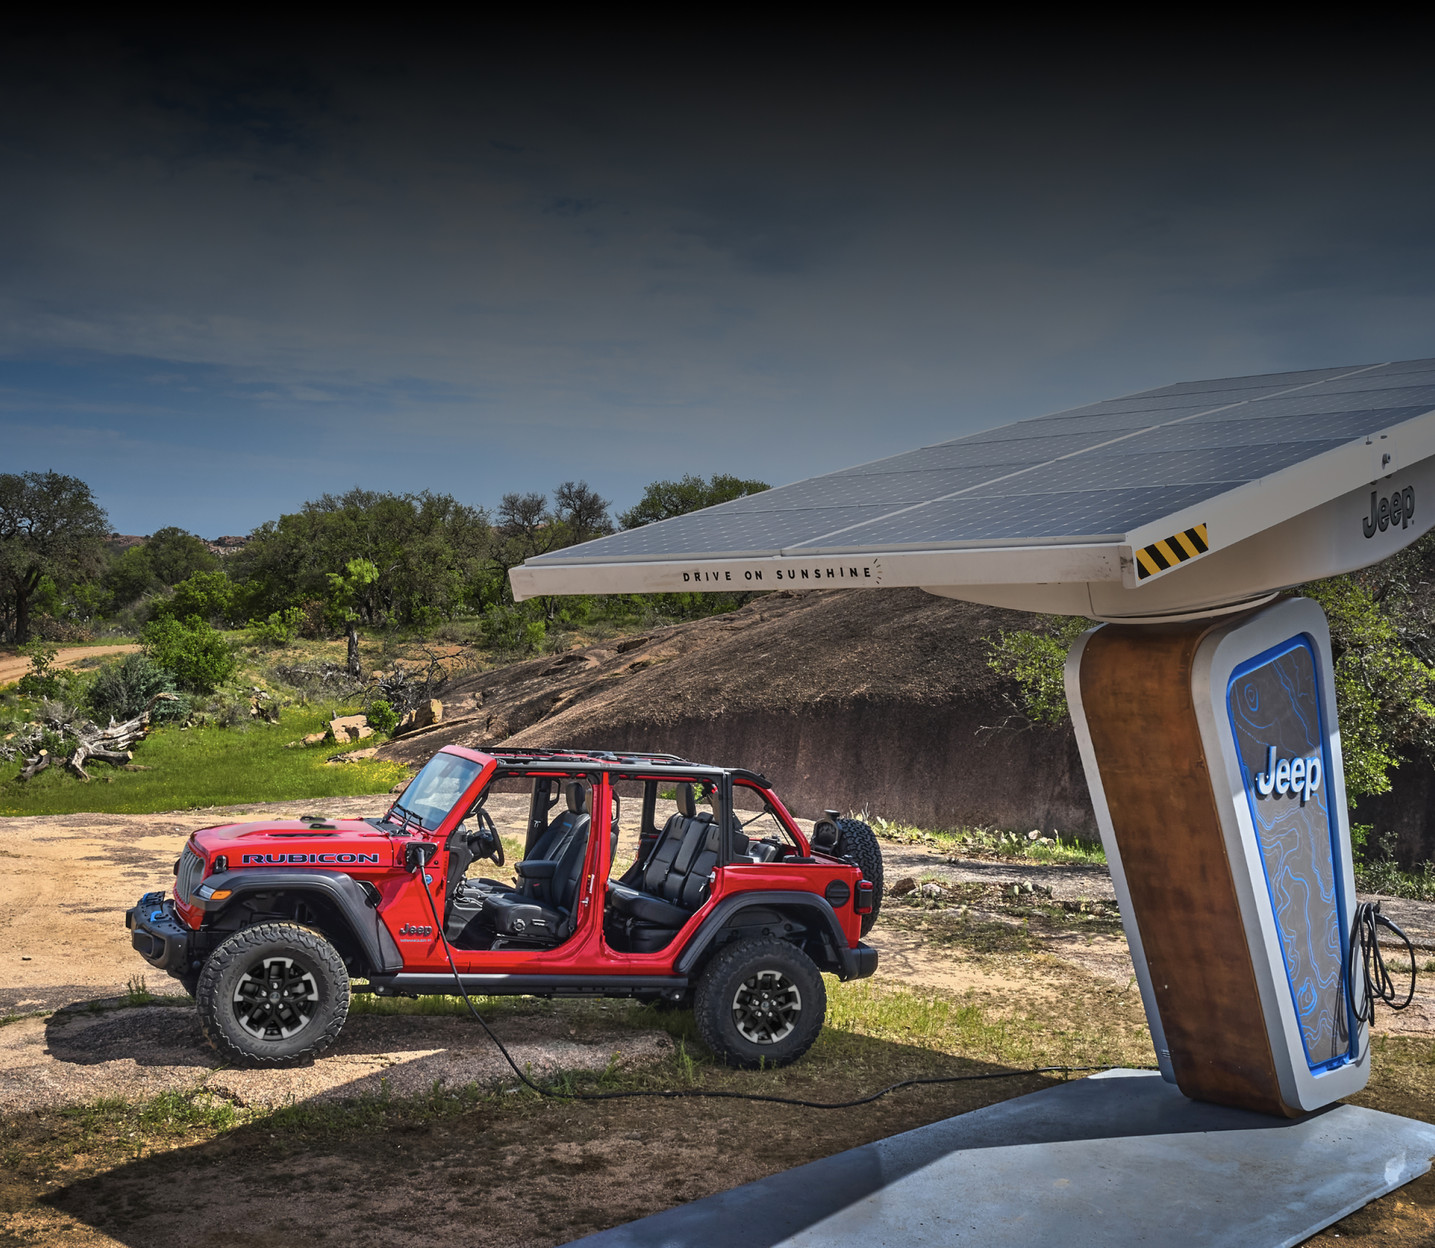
(233, 278)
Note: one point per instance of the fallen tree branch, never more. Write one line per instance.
(111, 745)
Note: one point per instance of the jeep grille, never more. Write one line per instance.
(191, 871)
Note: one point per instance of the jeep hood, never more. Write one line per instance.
(291, 837)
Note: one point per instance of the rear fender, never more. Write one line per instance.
(351, 902)
(809, 910)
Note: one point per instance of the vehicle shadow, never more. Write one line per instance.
(377, 1169)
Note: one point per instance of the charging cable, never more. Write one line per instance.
(1376, 982)
(700, 1093)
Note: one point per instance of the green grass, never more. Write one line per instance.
(992, 843)
(196, 767)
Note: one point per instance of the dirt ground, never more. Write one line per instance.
(13, 666)
(556, 1170)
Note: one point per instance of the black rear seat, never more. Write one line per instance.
(673, 884)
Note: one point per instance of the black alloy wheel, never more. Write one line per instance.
(275, 994)
(275, 998)
(766, 1007)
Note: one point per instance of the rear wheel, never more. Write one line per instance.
(275, 994)
(857, 841)
(760, 1002)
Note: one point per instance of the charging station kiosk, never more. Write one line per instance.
(1213, 757)
(1204, 709)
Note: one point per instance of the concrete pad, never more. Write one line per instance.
(1118, 1159)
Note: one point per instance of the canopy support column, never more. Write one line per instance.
(1235, 884)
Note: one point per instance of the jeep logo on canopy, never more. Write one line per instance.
(1398, 509)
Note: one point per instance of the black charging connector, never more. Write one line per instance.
(417, 855)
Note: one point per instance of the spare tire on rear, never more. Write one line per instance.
(857, 841)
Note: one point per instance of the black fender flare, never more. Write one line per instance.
(730, 907)
(348, 895)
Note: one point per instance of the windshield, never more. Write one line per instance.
(436, 790)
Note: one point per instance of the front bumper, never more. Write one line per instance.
(156, 932)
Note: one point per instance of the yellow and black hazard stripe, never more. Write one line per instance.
(1170, 551)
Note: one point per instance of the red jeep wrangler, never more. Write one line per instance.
(723, 904)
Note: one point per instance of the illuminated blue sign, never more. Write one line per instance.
(1279, 726)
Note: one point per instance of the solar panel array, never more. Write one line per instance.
(1093, 473)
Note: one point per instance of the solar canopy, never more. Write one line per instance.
(1172, 500)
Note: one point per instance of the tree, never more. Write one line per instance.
(129, 578)
(176, 554)
(50, 525)
(663, 500)
(346, 592)
(581, 512)
(208, 595)
(429, 550)
(1382, 636)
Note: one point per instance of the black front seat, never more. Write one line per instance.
(540, 909)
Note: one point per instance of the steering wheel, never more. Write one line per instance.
(485, 840)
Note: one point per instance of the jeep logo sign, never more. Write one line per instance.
(1290, 775)
(1399, 509)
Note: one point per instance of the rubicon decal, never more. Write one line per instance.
(289, 860)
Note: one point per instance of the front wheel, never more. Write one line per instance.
(275, 994)
(760, 1002)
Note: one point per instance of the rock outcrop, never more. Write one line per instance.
(854, 700)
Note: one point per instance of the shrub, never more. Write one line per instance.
(123, 689)
(279, 629)
(512, 629)
(382, 716)
(197, 656)
(42, 680)
(1037, 662)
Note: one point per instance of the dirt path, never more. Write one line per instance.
(13, 666)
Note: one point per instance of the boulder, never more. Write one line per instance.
(350, 728)
(425, 715)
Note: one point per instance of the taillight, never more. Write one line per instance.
(865, 893)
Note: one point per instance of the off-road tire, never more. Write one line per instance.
(284, 951)
(730, 993)
(857, 841)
